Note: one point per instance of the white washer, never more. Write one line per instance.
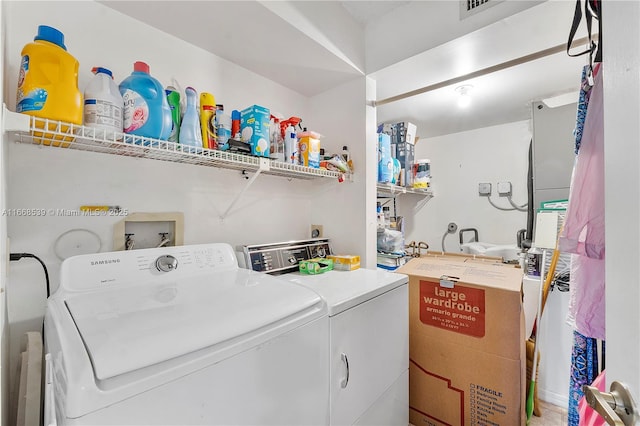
(181, 335)
(369, 333)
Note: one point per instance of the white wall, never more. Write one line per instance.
(341, 112)
(4, 330)
(272, 209)
(427, 25)
(458, 163)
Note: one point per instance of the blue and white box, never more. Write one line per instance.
(254, 128)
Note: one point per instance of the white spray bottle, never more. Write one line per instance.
(290, 144)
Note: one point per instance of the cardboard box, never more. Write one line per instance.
(345, 262)
(463, 256)
(404, 141)
(254, 128)
(466, 343)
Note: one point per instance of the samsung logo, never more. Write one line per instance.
(104, 262)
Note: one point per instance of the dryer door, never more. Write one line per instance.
(369, 352)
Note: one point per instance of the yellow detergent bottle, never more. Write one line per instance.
(48, 85)
(207, 120)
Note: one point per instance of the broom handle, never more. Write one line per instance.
(549, 278)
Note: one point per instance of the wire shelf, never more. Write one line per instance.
(387, 190)
(57, 134)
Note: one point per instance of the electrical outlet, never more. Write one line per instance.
(316, 231)
(484, 189)
(504, 189)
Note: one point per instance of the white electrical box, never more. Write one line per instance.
(504, 189)
(484, 189)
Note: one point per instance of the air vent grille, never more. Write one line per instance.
(471, 7)
(472, 4)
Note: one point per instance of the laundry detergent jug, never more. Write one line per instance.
(48, 84)
(103, 104)
(146, 110)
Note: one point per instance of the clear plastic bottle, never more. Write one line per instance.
(276, 140)
(290, 144)
(386, 213)
(190, 130)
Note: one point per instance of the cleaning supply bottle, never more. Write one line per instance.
(290, 144)
(224, 129)
(345, 154)
(103, 104)
(207, 120)
(309, 147)
(146, 110)
(385, 163)
(173, 98)
(190, 129)
(275, 139)
(48, 80)
(235, 124)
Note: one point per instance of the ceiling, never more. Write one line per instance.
(314, 46)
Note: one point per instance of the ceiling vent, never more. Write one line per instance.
(471, 7)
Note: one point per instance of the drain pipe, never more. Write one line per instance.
(451, 229)
(527, 241)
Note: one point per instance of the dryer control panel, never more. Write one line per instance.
(278, 258)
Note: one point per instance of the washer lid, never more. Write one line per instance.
(129, 328)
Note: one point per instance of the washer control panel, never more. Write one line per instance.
(166, 263)
(137, 266)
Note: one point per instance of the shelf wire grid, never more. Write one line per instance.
(57, 134)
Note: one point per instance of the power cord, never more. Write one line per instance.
(18, 256)
(522, 208)
(498, 207)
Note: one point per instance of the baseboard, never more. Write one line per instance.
(553, 398)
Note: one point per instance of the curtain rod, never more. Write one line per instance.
(508, 64)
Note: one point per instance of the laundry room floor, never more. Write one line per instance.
(552, 415)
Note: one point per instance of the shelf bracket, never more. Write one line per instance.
(13, 121)
(263, 166)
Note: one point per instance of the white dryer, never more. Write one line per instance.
(369, 331)
(181, 335)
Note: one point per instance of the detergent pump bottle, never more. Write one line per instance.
(190, 130)
(146, 110)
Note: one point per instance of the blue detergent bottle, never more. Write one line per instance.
(146, 110)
